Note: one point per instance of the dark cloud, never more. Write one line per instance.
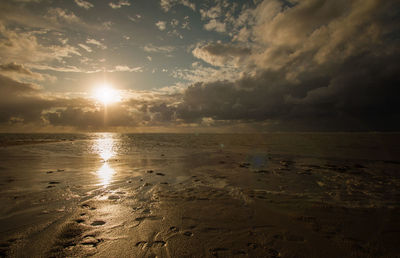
(10, 88)
(361, 94)
(162, 112)
(14, 67)
(19, 101)
(114, 116)
(25, 103)
(219, 54)
(318, 65)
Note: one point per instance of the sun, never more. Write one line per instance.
(105, 94)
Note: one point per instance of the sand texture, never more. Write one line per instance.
(270, 195)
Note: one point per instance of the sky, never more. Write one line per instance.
(200, 66)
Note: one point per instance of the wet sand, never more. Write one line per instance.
(202, 196)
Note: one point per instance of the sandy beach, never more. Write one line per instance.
(201, 195)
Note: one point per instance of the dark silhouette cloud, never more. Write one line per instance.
(323, 65)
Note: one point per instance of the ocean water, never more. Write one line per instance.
(45, 177)
(28, 161)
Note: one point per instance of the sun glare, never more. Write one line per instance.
(105, 94)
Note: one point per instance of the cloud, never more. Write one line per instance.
(161, 25)
(136, 112)
(119, 4)
(23, 104)
(59, 15)
(74, 69)
(221, 16)
(135, 18)
(107, 25)
(10, 87)
(19, 72)
(125, 68)
(174, 23)
(84, 4)
(50, 19)
(188, 4)
(19, 101)
(186, 23)
(166, 5)
(96, 43)
(91, 119)
(28, 1)
(314, 65)
(199, 73)
(14, 67)
(65, 68)
(219, 54)
(174, 32)
(331, 103)
(85, 47)
(158, 49)
(24, 47)
(211, 13)
(215, 25)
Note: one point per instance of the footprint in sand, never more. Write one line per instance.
(240, 252)
(216, 251)
(87, 206)
(68, 237)
(141, 244)
(188, 233)
(139, 220)
(174, 229)
(149, 218)
(90, 240)
(146, 211)
(158, 244)
(252, 245)
(113, 197)
(289, 237)
(155, 244)
(98, 223)
(79, 220)
(273, 253)
(4, 248)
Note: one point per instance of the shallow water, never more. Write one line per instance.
(47, 180)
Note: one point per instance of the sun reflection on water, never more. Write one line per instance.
(106, 148)
(105, 174)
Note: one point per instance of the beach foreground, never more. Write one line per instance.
(200, 195)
